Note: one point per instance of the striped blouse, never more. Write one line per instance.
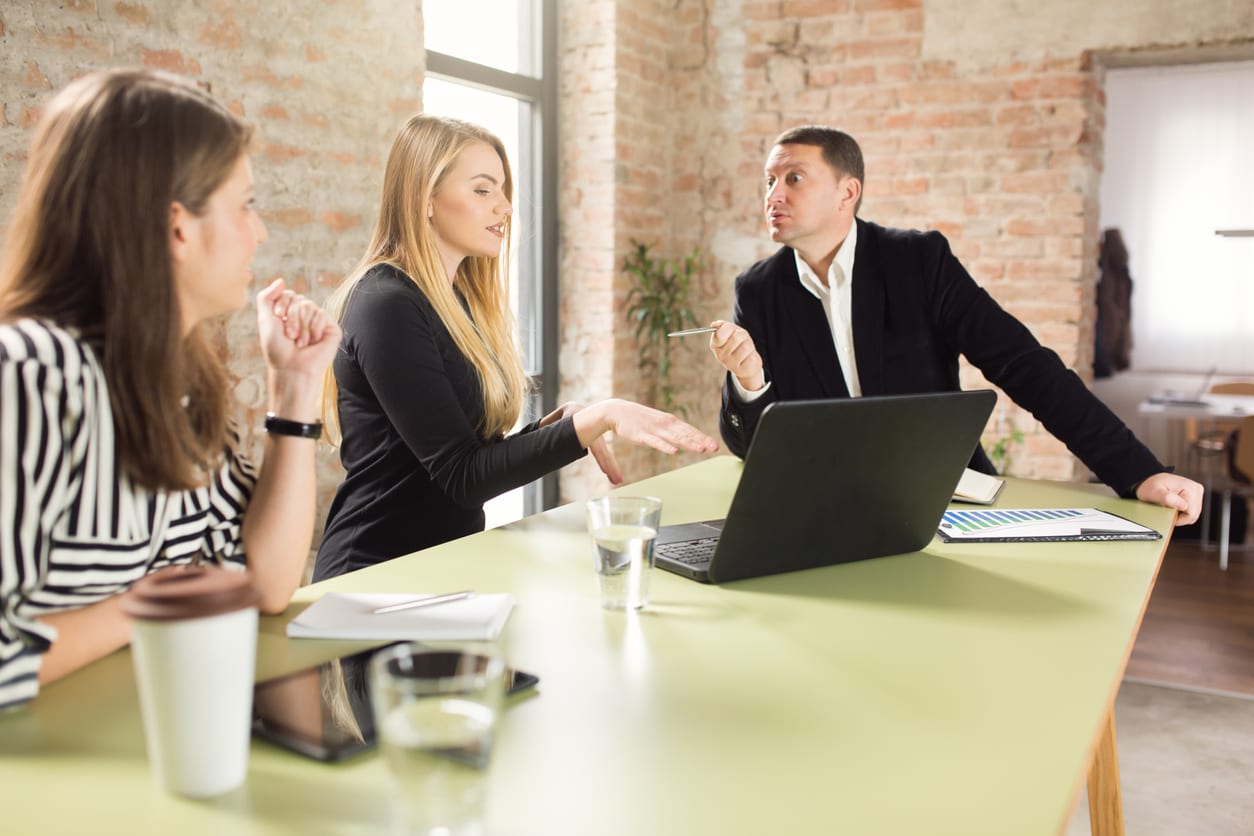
(74, 529)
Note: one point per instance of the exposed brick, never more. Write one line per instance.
(34, 77)
(886, 5)
(132, 12)
(77, 43)
(813, 8)
(172, 60)
(884, 48)
(290, 218)
(224, 35)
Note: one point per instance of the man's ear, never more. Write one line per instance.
(851, 191)
(181, 231)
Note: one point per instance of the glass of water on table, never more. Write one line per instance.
(435, 712)
(624, 529)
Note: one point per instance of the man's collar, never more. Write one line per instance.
(844, 258)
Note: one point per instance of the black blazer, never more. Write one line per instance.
(915, 309)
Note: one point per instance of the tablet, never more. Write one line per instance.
(324, 712)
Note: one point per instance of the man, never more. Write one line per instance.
(849, 308)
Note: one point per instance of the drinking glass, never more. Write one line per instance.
(435, 710)
(623, 530)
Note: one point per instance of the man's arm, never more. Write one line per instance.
(1036, 379)
(734, 346)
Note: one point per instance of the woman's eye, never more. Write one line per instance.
(484, 192)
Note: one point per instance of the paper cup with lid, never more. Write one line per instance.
(194, 643)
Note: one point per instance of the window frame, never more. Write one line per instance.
(538, 145)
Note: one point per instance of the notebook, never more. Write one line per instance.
(345, 615)
(1038, 525)
(978, 488)
(835, 481)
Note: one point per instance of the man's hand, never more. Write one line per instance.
(1172, 491)
(733, 347)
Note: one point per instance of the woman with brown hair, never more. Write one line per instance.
(135, 225)
(429, 380)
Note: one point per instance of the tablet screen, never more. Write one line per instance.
(324, 712)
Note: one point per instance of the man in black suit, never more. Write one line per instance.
(850, 308)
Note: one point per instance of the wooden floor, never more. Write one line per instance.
(1198, 631)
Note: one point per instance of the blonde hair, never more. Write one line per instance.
(89, 249)
(422, 154)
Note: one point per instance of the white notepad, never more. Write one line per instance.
(979, 488)
(347, 615)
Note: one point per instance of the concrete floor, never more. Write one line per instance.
(1186, 762)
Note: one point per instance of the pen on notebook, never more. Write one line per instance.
(685, 333)
(428, 601)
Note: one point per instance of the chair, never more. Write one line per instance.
(1240, 475)
(1208, 454)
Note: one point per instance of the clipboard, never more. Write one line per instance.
(1038, 525)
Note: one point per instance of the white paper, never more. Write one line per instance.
(344, 615)
(1038, 523)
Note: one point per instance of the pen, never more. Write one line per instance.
(428, 601)
(692, 331)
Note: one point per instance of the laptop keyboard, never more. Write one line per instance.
(689, 552)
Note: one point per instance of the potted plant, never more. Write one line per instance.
(657, 303)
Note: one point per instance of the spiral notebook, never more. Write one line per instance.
(1038, 525)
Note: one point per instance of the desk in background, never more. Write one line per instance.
(959, 690)
(1171, 423)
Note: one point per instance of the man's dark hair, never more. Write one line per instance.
(840, 150)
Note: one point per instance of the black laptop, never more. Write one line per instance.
(835, 481)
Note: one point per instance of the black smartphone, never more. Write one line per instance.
(324, 712)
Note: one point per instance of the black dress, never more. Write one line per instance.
(418, 469)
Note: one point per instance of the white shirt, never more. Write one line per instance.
(837, 299)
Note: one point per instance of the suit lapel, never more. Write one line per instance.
(810, 325)
(868, 311)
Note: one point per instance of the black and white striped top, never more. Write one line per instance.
(74, 529)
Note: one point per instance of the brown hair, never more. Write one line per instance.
(422, 154)
(89, 249)
(840, 150)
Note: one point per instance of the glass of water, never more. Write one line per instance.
(623, 530)
(435, 712)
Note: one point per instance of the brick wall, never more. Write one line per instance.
(328, 83)
(973, 122)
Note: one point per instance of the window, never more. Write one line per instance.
(1177, 170)
(501, 74)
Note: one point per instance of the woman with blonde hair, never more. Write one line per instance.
(429, 381)
(134, 227)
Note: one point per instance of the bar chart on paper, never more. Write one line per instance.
(1028, 525)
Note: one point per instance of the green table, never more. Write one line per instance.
(958, 690)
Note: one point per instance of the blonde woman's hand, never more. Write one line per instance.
(641, 425)
(599, 448)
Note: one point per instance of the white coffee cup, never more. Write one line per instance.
(194, 642)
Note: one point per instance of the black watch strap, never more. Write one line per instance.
(282, 426)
